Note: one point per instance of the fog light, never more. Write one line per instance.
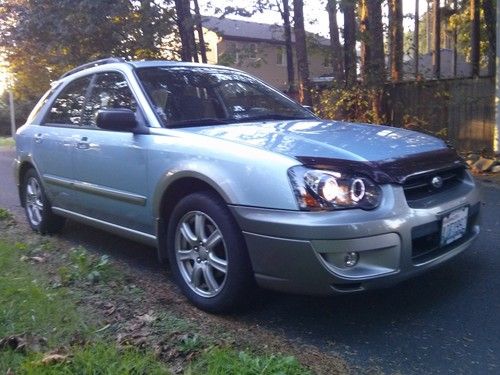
(351, 259)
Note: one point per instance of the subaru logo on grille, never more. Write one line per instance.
(437, 182)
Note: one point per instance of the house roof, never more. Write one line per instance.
(247, 30)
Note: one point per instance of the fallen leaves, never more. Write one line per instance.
(23, 343)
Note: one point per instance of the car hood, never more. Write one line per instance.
(326, 139)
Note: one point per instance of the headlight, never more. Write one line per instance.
(318, 189)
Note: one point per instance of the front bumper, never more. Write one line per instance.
(303, 252)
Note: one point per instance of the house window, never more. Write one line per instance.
(327, 62)
(280, 56)
(252, 51)
(233, 52)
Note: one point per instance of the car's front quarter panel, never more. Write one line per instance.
(242, 175)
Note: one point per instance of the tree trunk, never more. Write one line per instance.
(186, 30)
(416, 53)
(348, 8)
(301, 50)
(372, 47)
(455, 39)
(147, 41)
(396, 39)
(289, 47)
(335, 48)
(490, 20)
(436, 51)
(199, 28)
(475, 36)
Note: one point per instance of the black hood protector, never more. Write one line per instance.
(392, 171)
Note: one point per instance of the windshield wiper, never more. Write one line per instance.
(272, 116)
(199, 122)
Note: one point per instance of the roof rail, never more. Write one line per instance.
(109, 60)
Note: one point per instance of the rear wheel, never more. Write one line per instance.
(37, 207)
(207, 254)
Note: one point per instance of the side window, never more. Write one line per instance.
(68, 106)
(110, 90)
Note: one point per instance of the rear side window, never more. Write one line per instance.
(68, 106)
(110, 90)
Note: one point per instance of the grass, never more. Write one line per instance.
(7, 142)
(221, 361)
(5, 215)
(49, 318)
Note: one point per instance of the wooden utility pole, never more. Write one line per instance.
(12, 114)
(436, 52)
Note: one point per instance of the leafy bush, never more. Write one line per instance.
(356, 103)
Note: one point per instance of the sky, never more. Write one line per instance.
(315, 14)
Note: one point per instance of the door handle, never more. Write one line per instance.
(83, 144)
(38, 138)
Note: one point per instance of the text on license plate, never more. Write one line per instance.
(454, 226)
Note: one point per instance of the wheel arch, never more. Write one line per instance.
(24, 166)
(170, 192)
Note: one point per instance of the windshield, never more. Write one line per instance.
(193, 96)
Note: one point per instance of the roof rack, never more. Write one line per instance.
(109, 60)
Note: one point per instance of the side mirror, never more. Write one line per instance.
(118, 119)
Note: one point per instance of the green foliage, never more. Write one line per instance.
(220, 361)
(41, 42)
(28, 304)
(6, 142)
(355, 103)
(85, 267)
(5, 215)
(98, 358)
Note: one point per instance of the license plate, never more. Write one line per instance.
(454, 226)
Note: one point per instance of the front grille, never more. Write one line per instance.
(420, 186)
(426, 238)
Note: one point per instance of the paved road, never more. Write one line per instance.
(447, 321)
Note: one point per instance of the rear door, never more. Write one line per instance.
(111, 167)
(55, 139)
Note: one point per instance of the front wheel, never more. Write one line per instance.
(37, 207)
(207, 254)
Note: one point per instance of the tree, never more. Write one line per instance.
(285, 14)
(42, 42)
(301, 51)
(396, 39)
(199, 29)
(489, 7)
(335, 47)
(372, 47)
(475, 36)
(185, 24)
(348, 8)
(416, 30)
(436, 33)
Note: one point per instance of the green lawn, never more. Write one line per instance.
(42, 317)
(6, 142)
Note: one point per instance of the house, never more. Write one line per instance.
(425, 67)
(259, 49)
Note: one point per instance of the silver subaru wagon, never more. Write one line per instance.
(237, 185)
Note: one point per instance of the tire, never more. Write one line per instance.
(207, 254)
(37, 207)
